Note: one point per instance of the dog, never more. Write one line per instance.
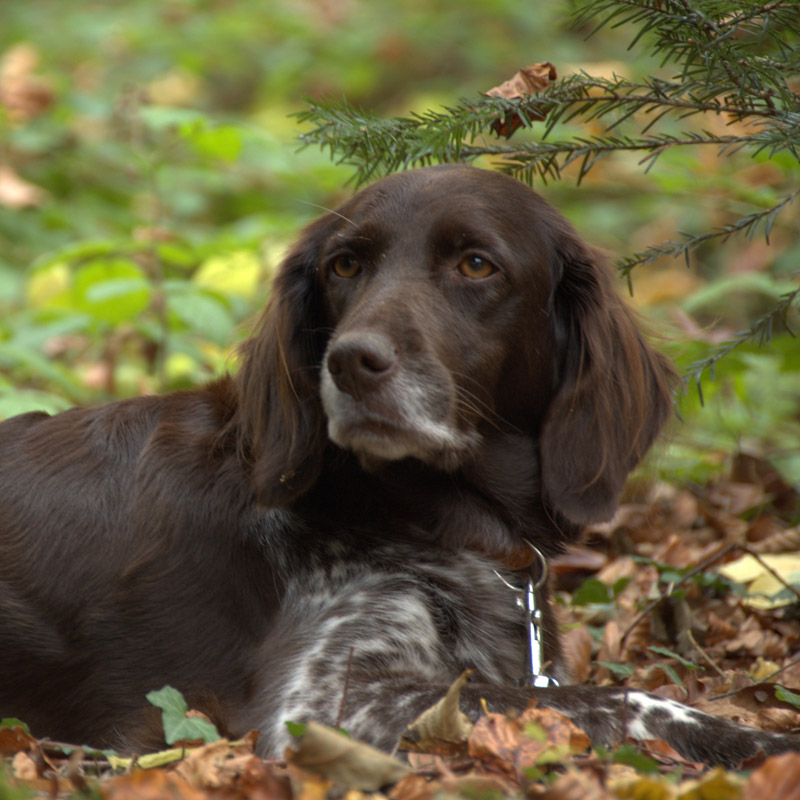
(443, 390)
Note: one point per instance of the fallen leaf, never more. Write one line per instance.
(716, 785)
(441, 723)
(764, 590)
(577, 785)
(334, 756)
(24, 767)
(14, 739)
(576, 644)
(529, 80)
(150, 785)
(540, 736)
(215, 764)
(778, 778)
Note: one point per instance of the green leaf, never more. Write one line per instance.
(200, 310)
(13, 722)
(633, 757)
(591, 591)
(620, 670)
(111, 291)
(177, 726)
(663, 651)
(295, 728)
(673, 676)
(782, 693)
(223, 142)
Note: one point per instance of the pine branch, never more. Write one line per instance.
(747, 225)
(760, 331)
(737, 58)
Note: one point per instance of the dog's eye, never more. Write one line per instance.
(346, 267)
(475, 267)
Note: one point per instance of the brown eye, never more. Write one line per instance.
(475, 267)
(346, 267)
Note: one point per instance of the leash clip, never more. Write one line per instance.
(526, 600)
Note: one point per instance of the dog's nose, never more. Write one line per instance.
(360, 362)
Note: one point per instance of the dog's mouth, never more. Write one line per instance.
(405, 426)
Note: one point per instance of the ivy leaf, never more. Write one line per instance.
(178, 726)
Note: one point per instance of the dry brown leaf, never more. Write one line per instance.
(576, 645)
(578, 558)
(414, 787)
(778, 778)
(150, 784)
(576, 785)
(562, 733)
(336, 757)
(215, 764)
(499, 743)
(778, 540)
(24, 767)
(529, 80)
(440, 724)
(15, 739)
(753, 705)
(735, 498)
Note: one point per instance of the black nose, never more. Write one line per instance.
(360, 362)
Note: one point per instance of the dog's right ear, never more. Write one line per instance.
(280, 419)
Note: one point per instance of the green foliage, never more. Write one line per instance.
(177, 726)
(631, 756)
(787, 696)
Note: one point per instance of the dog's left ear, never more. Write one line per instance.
(281, 422)
(614, 392)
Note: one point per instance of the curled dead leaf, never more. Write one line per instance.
(14, 739)
(540, 736)
(334, 756)
(215, 764)
(529, 80)
(440, 724)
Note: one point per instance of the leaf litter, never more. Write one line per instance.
(689, 592)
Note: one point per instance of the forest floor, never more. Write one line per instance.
(691, 593)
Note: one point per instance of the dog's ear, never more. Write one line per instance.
(280, 418)
(614, 392)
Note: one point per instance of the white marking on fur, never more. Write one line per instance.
(415, 432)
(644, 704)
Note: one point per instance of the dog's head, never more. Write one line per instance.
(434, 311)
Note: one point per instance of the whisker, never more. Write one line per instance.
(328, 210)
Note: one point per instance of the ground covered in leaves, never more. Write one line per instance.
(692, 593)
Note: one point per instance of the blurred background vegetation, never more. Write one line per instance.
(150, 179)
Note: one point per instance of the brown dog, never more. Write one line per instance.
(443, 372)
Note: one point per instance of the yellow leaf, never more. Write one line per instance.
(238, 273)
(443, 722)
(762, 585)
(716, 785)
(336, 757)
